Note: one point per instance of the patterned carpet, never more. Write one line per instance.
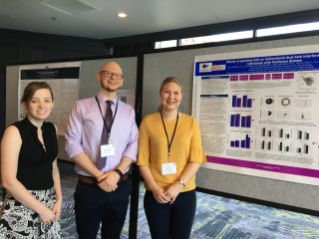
(216, 217)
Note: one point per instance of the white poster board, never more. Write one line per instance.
(64, 81)
(257, 112)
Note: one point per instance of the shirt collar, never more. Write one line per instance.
(102, 99)
(28, 122)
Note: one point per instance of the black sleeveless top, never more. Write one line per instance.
(35, 165)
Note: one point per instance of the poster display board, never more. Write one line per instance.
(64, 81)
(257, 111)
(127, 96)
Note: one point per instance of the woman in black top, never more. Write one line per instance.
(29, 170)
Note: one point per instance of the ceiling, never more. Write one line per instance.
(98, 19)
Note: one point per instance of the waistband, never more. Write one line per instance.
(92, 180)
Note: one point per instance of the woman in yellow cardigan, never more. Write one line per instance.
(169, 155)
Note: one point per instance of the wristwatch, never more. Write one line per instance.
(119, 172)
(181, 182)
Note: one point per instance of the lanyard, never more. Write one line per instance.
(108, 130)
(169, 144)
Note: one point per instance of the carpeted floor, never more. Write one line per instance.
(216, 217)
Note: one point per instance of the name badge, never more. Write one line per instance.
(168, 168)
(107, 150)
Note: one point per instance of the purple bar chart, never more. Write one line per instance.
(245, 143)
(244, 102)
(237, 121)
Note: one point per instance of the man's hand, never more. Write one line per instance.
(109, 181)
(101, 176)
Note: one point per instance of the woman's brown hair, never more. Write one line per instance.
(32, 88)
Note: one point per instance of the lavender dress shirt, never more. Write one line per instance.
(85, 127)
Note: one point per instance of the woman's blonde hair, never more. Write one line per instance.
(166, 81)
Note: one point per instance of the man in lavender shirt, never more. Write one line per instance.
(103, 189)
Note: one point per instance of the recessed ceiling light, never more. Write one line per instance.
(121, 14)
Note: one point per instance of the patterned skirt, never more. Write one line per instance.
(21, 222)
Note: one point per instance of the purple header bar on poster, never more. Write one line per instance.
(268, 76)
(264, 166)
(276, 76)
(233, 78)
(288, 75)
(255, 65)
(256, 77)
(243, 77)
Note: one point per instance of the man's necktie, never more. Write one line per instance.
(108, 120)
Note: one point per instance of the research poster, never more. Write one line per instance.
(258, 112)
(64, 81)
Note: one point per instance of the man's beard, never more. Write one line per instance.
(108, 89)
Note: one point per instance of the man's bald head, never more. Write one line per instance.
(110, 77)
(112, 67)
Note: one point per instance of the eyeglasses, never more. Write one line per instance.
(109, 74)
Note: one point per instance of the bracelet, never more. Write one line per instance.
(181, 182)
(119, 172)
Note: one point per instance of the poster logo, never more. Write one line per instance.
(205, 67)
(219, 68)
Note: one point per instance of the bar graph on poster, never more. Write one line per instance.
(258, 112)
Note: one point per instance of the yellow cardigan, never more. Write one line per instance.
(153, 148)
